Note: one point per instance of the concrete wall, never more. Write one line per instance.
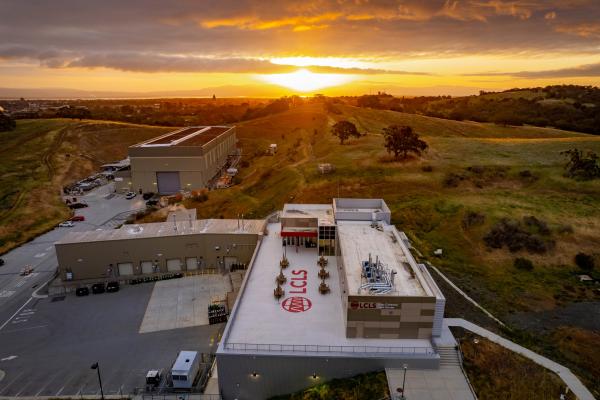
(361, 215)
(279, 374)
(196, 165)
(91, 260)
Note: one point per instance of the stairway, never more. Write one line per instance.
(448, 356)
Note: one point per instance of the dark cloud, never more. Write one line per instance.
(589, 70)
(238, 35)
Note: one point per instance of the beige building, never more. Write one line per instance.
(144, 249)
(185, 159)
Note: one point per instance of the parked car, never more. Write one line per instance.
(77, 218)
(73, 206)
(98, 288)
(1, 262)
(147, 195)
(82, 291)
(112, 287)
(66, 224)
(152, 202)
(27, 270)
(130, 195)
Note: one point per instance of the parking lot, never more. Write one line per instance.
(49, 345)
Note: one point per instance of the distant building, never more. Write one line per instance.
(184, 159)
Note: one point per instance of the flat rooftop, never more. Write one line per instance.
(163, 229)
(190, 136)
(358, 240)
(322, 212)
(261, 323)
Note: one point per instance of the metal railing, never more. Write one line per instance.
(181, 396)
(307, 348)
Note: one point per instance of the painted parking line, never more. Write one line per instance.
(48, 383)
(17, 312)
(5, 390)
(24, 329)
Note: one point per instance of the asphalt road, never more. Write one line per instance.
(105, 211)
(50, 348)
(16, 290)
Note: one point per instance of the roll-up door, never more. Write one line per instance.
(125, 269)
(147, 267)
(174, 265)
(191, 263)
(168, 182)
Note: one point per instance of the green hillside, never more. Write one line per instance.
(509, 172)
(40, 156)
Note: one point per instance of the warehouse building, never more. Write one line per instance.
(210, 245)
(185, 159)
(352, 299)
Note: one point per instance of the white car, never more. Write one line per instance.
(130, 195)
(66, 224)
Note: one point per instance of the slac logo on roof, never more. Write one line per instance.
(296, 304)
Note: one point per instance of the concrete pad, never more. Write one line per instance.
(182, 303)
(447, 383)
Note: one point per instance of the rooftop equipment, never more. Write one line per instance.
(379, 279)
(281, 279)
(324, 288)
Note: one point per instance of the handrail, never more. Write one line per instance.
(308, 348)
(460, 359)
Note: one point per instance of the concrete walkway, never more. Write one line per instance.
(564, 373)
(466, 296)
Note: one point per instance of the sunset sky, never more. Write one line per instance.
(272, 48)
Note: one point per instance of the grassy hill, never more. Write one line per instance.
(40, 156)
(429, 210)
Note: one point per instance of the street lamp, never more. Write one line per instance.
(404, 382)
(97, 368)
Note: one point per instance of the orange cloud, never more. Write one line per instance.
(299, 23)
(586, 30)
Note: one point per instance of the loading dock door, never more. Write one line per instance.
(174, 265)
(125, 269)
(191, 263)
(147, 267)
(168, 182)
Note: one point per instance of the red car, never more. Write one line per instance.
(78, 218)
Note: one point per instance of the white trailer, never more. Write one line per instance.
(185, 369)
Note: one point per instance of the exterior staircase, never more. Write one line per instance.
(449, 356)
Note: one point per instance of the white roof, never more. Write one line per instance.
(259, 319)
(322, 212)
(161, 229)
(358, 240)
(184, 361)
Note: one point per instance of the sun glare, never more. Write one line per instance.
(305, 81)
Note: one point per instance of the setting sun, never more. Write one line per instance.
(305, 81)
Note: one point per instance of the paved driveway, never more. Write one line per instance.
(15, 290)
(49, 351)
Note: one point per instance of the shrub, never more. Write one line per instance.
(427, 168)
(472, 218)
(453, 179)
(584, 261)
(537, 224)
(244, 164)
(510, 233)
(200, 195)
(523, 263)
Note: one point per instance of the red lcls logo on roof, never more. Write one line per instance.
(354, 305)
(296, 304)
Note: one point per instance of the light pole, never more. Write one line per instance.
(97, 368)
(404, 383)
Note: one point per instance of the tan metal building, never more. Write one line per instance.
(145, 249)
(184, 159)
